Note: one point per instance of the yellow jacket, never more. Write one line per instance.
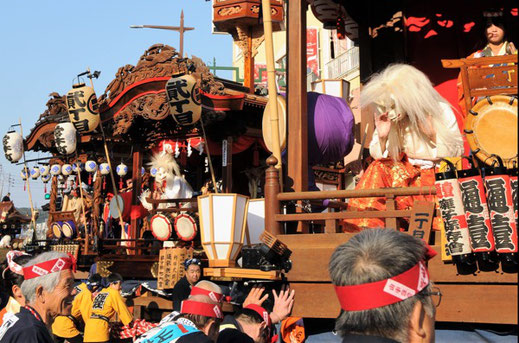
(107, 303)
(63, 326)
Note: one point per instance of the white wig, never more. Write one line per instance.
(414, 97)
(48, 281)
(166, 161)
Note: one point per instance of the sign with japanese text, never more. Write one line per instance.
(312, 50)
(171, 268)
(184, 99)
(421, 220)
(83, 109)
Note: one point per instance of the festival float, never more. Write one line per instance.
(171, 161)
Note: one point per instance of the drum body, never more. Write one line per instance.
(186, 226)
(56, 229)
(491, 128)
(68, 229)
(114, 211)
(161, 227)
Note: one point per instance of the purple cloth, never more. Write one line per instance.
(330, 128)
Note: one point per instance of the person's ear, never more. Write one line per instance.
(17, 293)
(417, 332)
(40, 294)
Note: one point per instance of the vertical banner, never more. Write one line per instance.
(312, 51)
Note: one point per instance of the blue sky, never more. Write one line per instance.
(46, 43)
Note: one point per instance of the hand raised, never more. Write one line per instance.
(283, 304)
(255, 296)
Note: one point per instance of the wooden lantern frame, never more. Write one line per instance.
(209, 243)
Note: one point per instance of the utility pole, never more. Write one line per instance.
(180, 29)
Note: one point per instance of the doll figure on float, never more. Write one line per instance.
(169, 182)
(414, 129)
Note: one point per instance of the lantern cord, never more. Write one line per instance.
(114, 185)
(208, 155)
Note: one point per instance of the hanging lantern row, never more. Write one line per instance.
(121, 170)
(13, 146)
(66, 169)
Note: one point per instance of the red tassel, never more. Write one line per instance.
(89, 179)
(120, 183)
(45, 187)
(24, 185)
(104, 183)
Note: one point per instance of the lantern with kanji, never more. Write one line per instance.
(13, 146)
(65, 138)
(222, 222)
(34, 172)
(45, 170)
(121, 170)
(55, 169)
(184, 101)
(66, 169)
(83, 108)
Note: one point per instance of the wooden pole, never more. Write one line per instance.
(271, 79)
(297, 99)
(87, 235)
(213, 178)
(248, 60)
(33, 214)
(272, 205)
(136, 184)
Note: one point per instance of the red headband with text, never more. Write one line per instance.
(385, 292)
(202, 309)
(47, 267)
(211, 294)
(11, 265)
(261, 311)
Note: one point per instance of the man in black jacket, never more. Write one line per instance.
(183, 286)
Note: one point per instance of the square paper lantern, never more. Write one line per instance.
(339, 88)
(222, 227)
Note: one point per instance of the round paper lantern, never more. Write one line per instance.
(55, 169)
(78, 166)
(143, 171)
(23, 174)
(66, 169)
(104, 168)
(153, 171)
(91, 166)
(327, 12)
(122, 169)
(45, 178)
(45, 170)
(82, 108)
(65, 137)
(34, 172)
(13, 146)
(184, 99)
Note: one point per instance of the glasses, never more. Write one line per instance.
(436, 296)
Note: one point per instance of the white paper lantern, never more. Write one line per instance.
(222, 222)
(184, 99)
(143, 171)
(104, 168)
(23, 174)
(153, 171)
(13, 146)
(34, 172)
(91, 166)
(45, 178)
(65, 138)
(83, 108)
(55, 169)
(78, 166)
(66, 169)
(122, 169)
(45, 170)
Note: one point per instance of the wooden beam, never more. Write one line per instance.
(296, 100)
(136, 184)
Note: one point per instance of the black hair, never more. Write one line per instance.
(249, 316)
(114, 277)
(191, 261)
(95, 280)
(9, 279)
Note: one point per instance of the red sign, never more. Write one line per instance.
(312, 50)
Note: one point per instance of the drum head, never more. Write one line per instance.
(266, 124)
(56, 229)
(185, 227)
(68, 229)
(160, 227)
(491, 128)
(114, 213)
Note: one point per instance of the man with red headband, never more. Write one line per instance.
(383, 286)
(198, 321)
(48, 288)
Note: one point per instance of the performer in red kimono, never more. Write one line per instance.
(415, 128)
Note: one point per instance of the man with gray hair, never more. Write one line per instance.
(48, 288)
(381, 280)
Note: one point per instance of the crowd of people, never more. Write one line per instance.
(380, 277)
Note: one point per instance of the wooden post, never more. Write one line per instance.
(227, 165)
(97, 201)
(272, 206)
(52, 203)
(248, 60)
(136, 184)
(390, 206)
(297, 101)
